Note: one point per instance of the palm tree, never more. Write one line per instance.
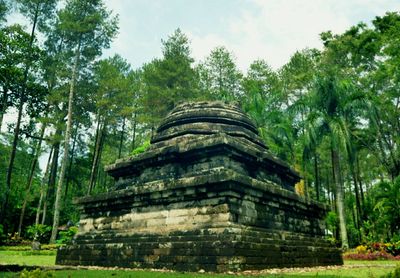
(327, 118)
(388, 204)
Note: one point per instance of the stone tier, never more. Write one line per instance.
(191, 155)
(204, 118)
(218, 249)
(218, 221)
(208, 195)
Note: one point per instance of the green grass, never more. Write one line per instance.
(43, 257)
(358, 272)
(360, 269)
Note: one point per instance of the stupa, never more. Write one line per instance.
(208, 195)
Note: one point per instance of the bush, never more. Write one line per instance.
(142, 148)
(375, 251)
(378, 255)
(39, 232)
(361, 249)
(392, 248)
(37, 273)
(394, 274)
(27, 247)
(67, 236)
(2, 235)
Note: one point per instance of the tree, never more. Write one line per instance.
(388, 204)
(113, 103)
(169, 80)
(14, 44)
(4, 10)
(88, 28)
(37, 11)
(329, 100)
(261, 100)
(219, 75)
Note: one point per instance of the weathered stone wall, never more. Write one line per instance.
(206, 195)
(192, 223)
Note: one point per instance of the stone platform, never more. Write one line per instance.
(206, 195)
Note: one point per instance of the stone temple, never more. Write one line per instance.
(207, 195)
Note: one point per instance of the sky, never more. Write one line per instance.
(251, 29)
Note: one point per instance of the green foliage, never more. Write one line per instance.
(332, 221)
(220, 78)
(4, 10)
(88, 24)
(65, 237)
(2, 234)
(37, 273)
(37, 11)
(142, 148)
(393, 274)
(23, 158)
(169, 80)
(388, 204)
(44, 247)
(39, 232)
(338, 102)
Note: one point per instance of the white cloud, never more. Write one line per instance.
(202, 45)
(274, 30)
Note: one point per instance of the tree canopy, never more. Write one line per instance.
(333, 113)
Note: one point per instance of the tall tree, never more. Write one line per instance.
(37, 11)
(219, 75)
(169, 80)
(113, 103)
(328, 119)
(14, 44)
(88, 27)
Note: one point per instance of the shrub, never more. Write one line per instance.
(39, 232)
(377, 255)
(392, 248)
(2, 235)
(37, 273)
(67, 236)
(142, 148)
(394, 274)
(27, 247)
(361, 249)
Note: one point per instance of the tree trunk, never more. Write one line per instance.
(71, 160)
(102, 140)
(43, 187)
(3, 105)
(7, 190)
(316, 173)
(339, 198)
(121, 139)
(53, 174)
(134, 132)
(329, 189)
(30, 179)
(359, 180)
(93, 172)
(57, 203)
(393, 169)
(357, 193)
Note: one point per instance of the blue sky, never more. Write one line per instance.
(269, 29)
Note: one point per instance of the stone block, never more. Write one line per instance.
(207, 195)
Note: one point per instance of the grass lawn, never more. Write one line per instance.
(44, 257)
(368, 269)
